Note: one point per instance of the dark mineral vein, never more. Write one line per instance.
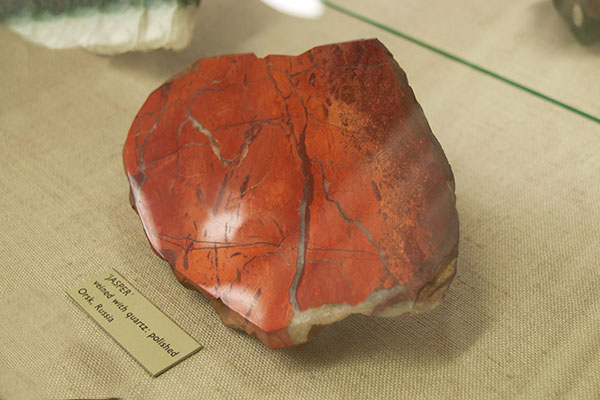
(141, 163)
(220, 194)
(212, 243)
(356, 222)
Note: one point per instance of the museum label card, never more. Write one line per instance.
(147, 334)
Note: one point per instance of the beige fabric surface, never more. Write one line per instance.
(521, 320)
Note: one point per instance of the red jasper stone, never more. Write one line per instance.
(295, 191)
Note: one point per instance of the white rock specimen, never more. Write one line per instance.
(103, 26)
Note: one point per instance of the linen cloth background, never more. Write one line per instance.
(522, 318)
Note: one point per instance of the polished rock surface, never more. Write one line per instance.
(295, 191)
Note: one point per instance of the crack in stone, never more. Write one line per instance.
(186, 254)
(337, 126)
(212, 242)
(304, 210)
(277, 226)
(356, 222)
(341, 250)
(179, 129)
(278, 251)
(307, 190)
(357, 66)
(255, 298)
(200, 92)
(268, 121)
(217, 277)
(212, 245)
(225, 247)
(310, 68)
(249, 136)
(141, 163)
(155, 161)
